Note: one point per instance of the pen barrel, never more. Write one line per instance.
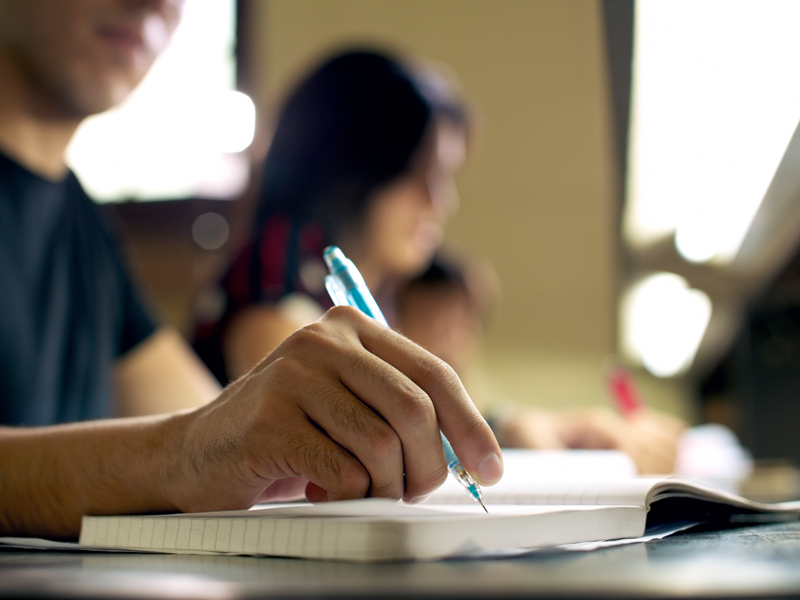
(346, 285)
(366, 304)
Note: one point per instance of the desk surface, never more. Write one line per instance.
(752, 562)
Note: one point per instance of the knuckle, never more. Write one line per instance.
(442, 373)
(353, 479)
(286, 370)
(441, 376)
(346, 314)
(314, 342)
(416, 408)
(428, 481)
(383, 443)
(392, 489)
(438, 477)
(306, 337)
(476, 427)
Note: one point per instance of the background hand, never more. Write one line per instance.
(649, 437)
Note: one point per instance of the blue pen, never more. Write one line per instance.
(346, 287)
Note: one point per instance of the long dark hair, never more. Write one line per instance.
(353, 125)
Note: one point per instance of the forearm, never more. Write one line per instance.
(162, 375)
(51, 476)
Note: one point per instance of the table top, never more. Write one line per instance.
(752, 562)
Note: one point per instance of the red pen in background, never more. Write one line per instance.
(623, 390)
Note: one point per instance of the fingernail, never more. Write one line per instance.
(490, 469)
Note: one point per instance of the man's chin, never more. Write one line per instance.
(93, 100)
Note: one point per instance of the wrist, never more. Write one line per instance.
(169, 460)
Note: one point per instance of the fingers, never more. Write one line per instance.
(528, 427)
(424, 387)
(370, 408)
(650, 445)
(659, 434)
(649, 438)
(407, 412)
(317, 458)
(365, 434)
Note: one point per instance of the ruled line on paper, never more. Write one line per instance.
(296, 538)
(170, 534)
(312, 533)
(209, 543)
(159, 533)
(149, 527)
(223, 538)
(103, 534)
(251, 537)
(91, 529)
(237, 534)
(135, 533)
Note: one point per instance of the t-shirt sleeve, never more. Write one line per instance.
(133, 320)
(137, 323)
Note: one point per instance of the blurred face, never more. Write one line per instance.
(405, 219)
(81, 57)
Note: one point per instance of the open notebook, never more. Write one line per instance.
(523, 514)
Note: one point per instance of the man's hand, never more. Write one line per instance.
(649, 437)
(345, 403)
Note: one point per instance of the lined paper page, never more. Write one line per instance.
(628, 492)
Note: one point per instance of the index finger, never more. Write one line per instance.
(459, 420)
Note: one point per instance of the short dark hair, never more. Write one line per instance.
(352, 126)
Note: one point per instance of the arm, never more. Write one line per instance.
(161, 375)
(345, 403)
(254, 333)
(51, 476)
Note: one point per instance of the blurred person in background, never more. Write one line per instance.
(363, 157)
(77, 346)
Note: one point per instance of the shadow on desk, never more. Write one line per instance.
(752, 562)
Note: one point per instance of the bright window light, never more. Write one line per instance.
(663, 322)
(178, 133)
(716, 99)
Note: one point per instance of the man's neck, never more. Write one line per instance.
(31, 133)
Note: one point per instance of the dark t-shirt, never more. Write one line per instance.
(67, 306)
